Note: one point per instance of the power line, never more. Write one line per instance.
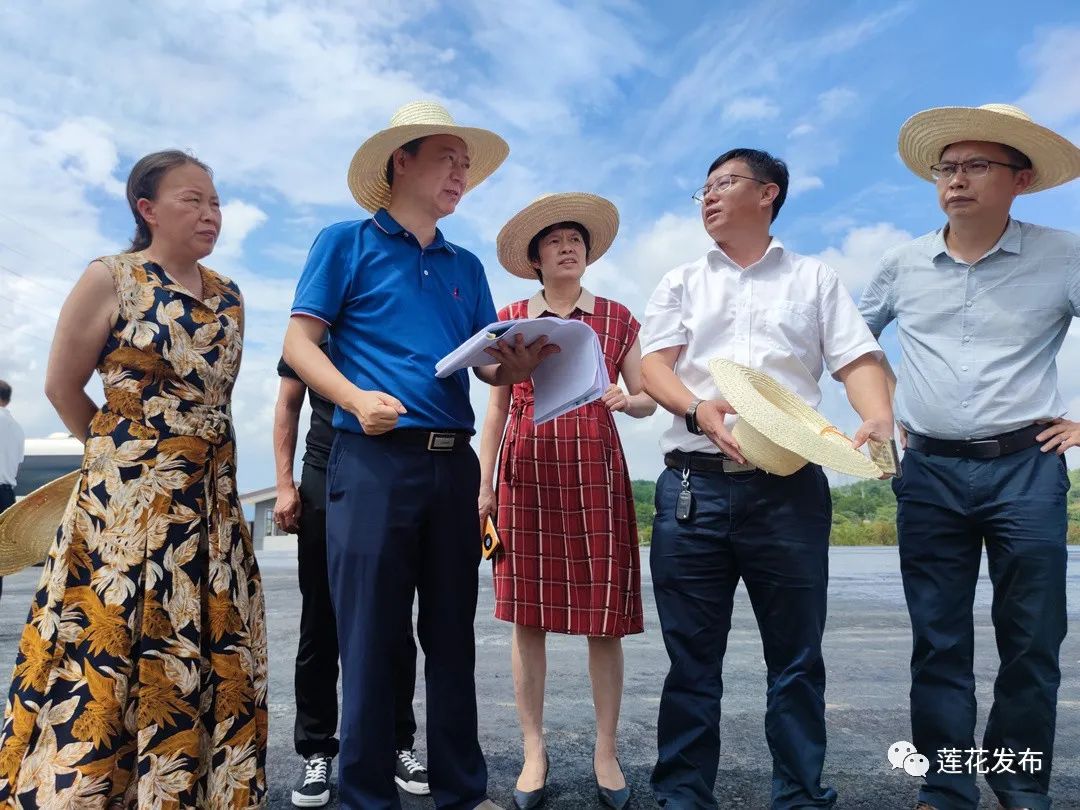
(47, 238)
(33, 280)
(31, 336)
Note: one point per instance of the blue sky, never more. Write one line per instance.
(625, 99)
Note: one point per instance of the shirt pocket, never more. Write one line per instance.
(791, 326)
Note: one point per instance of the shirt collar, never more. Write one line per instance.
(538, 304)
(1009, 241)
(390, 226)
(716, 253)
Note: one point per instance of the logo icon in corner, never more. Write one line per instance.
(903, 754)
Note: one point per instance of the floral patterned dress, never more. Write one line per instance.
(141, 675)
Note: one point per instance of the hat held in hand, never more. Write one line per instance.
(778, 432)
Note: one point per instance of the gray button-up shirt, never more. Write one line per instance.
(978, 342)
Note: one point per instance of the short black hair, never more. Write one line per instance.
(5, 392)
(763, 167)
(412, 147)
(1015, 156)
(533, 252)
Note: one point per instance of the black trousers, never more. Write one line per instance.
(7, 498)
(316, 675)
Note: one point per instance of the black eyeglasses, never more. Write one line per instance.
(722, 183)
(978, 167)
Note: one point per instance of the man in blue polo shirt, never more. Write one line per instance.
(402, 479)
(982, 305)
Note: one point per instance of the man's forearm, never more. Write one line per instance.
(664, 386)
(303, 354)
(866, 383)
(286, 429)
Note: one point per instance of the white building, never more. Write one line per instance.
(265, 533)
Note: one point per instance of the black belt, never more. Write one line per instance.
(705, 462)
(436, 441)
(991, 447)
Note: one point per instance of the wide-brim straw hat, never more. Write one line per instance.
(28, 529)
(418, 119)
(1055, 159)
(778, 432)
(598, 216)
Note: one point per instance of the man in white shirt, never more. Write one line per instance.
(11, 453)
(751, 301)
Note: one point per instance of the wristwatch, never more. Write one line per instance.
(691, 418)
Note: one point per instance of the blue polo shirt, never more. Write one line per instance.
(394, 310)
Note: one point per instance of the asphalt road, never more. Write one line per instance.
(867, 645)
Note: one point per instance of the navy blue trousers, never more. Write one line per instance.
(946, 509)
(401, 519)
(773, 532)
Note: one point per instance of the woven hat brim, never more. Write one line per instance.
(28, 529)
(784, 417)
(367, 171)
(597, 215)
(923, 137)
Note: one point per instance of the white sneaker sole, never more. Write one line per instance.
(300, 800)
(415, 788)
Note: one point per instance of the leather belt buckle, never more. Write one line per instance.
(985, 448)
(733, 466)
(441, 442)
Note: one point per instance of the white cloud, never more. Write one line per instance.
(836, 102)
(801, 130)
(85, 148)
(1054, 95)
(801, 182)
(860, 252)
(749, 108)
(238, 219)
(547, 64)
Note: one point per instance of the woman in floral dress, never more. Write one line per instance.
(141, 674)
(566, 518)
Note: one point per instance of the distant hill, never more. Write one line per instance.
(864, 513)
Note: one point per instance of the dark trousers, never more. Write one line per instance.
(946, 508)
(401, 519)
(7, 498)
(316, 674)
(773, 532)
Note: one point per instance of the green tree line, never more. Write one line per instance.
(864, 513)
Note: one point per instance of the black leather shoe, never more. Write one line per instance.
(528, 799)
(615, 799)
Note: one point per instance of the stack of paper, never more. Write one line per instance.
(576, 376)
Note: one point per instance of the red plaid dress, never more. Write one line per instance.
(569, 562)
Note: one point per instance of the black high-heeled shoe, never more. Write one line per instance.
(609, 797)
(530, 799)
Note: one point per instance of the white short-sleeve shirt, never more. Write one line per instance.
(787, 315)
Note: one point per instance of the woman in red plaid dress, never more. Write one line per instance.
(569, 561)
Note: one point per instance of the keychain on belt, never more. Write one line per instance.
(684, 506)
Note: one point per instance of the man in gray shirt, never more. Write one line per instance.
(982, 307)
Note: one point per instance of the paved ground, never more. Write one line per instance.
(867, 647)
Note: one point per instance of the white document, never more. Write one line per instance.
(576, 376)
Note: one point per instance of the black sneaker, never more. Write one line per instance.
(411, 774)
(313, 787)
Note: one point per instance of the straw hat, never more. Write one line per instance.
(28, 529)
(926, 134)
(367, 172)
(598, 216)
(777, 431)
